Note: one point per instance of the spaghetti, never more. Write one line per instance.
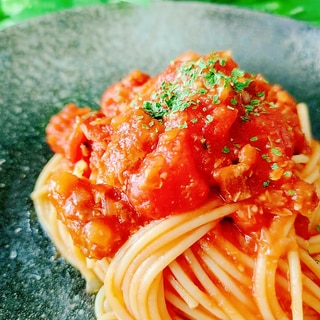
(189, 195)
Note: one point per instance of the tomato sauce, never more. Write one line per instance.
(163, 145)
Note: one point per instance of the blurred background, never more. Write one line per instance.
(15, 11)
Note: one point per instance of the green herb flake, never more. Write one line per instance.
(216, 99)
(254, 102)
(222, 62)
(291, 192)
(266, 157)
(202, 91)
(249, 108)
(179, 105)
(154, 109)
(209, 118)
(260, 94)
(194, 120)
(266, 183)
(169, 98)
(234, 101)
(272, 105)
(287, 174)
(255, 138)
(202, 65)
(239, 84)
(276, 152)
(318, 227)
(236, 73)
(183, 126)
(274, 166)
(245, 119)
(225, 149)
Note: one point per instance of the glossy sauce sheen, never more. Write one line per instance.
(202, 129)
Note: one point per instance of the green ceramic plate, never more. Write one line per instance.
(73, 56)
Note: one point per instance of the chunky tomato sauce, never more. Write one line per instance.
(201, 129)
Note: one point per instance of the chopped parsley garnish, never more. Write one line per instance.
(249, 108)
(213, 77)
(318, 227)
(225, 149)
(209, 118)
(222, 62)
(266, 157)
(236, 73)
(169, 99)
(255, 138)
(254, 102)
(144, 126)
(244, 118)
(260, 94)
(202, 91)
(266, 183)
(276, 152)
(239, 85)
(254, 108)
(178, 95)
(154, 109)
(287, 174)
(272, 105)
(183, 126)
(234, 101)
(216, 99)
(291, 192)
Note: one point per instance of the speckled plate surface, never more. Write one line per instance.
(73, 56)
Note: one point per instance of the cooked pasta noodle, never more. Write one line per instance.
(136, 262)
(196, 264)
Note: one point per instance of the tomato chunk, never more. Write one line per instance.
(64, 135)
